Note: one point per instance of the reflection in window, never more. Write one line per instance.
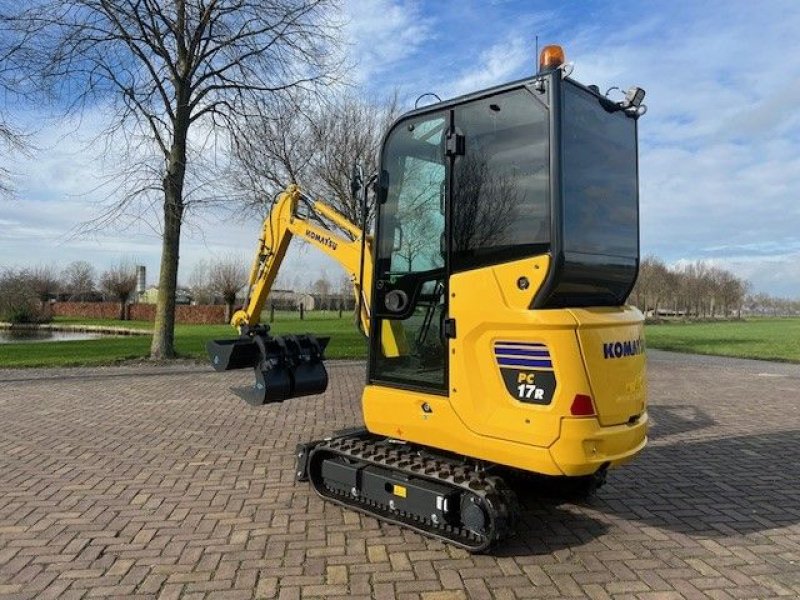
(412, 218)
(410, 259)
(420, 220)
(501, 207)
(600, 184)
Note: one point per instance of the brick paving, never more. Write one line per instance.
(147, 482)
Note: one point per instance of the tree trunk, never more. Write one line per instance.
(163, 345)
(122, 310)
(228, 311)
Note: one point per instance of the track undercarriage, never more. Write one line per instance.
(444, 497)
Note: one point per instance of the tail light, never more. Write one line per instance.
(582, 406)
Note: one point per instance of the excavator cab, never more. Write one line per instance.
(541, 167)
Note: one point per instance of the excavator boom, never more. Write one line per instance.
(294, 214)
(291, 366)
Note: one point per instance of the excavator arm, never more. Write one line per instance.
(313, 221)
(291, 366)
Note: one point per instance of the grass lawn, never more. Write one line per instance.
(763, 338)
(769, 339)
(190, 341)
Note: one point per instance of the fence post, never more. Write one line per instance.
(271, 312)
(302, 310)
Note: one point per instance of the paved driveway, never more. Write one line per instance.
(148, 482)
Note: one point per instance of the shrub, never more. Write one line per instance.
(19, 302)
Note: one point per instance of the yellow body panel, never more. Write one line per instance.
(479, 416)
(612, 344)
(399, 414)
(584, 444)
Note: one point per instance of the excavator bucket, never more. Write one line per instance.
(237, 353)
(284, 366)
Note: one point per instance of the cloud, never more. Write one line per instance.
(500, 63)
(719, 147)
(382, 33)
(63, 186)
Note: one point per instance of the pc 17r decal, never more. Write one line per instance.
(527, 371)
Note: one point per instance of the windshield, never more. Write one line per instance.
(599, 177)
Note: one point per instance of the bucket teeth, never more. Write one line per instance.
(284, 366)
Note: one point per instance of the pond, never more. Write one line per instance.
(18, 336)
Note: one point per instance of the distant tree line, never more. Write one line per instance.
(26, 292)
(690, 290)
(764, 304)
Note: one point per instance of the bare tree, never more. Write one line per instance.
(322, 285)
(12, 139)
(45, 282)
(168, 69)
(654, 285)
(18, 300)
(119, 281)
(77, 279)
(696, 289)
(300, 140)
(226, 277)
(485, 204)
(322, 288)
(199, 283)
(348, 131)
(422, 229)
(278, 149)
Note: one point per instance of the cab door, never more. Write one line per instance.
(409, 348)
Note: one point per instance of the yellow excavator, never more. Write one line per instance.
(493, 295)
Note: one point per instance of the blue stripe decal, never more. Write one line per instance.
(520, 352)
(524, 362)
(528, 344)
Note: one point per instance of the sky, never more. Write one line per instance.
(719, 148)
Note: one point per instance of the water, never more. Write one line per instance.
(19, 336)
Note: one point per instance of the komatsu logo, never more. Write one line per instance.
(325, 241)
(622, 349)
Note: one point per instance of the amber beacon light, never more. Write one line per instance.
(551, 57)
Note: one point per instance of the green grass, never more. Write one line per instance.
(190, 341)
(764, 338)
(768, 339)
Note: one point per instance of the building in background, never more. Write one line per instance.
(150, 295)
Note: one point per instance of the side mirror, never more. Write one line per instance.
(356, 180)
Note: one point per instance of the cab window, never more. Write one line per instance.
(501, 191)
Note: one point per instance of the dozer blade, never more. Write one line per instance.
(284, 366)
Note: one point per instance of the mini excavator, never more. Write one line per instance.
(493, 296)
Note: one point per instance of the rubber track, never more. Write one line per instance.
(498, 501)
